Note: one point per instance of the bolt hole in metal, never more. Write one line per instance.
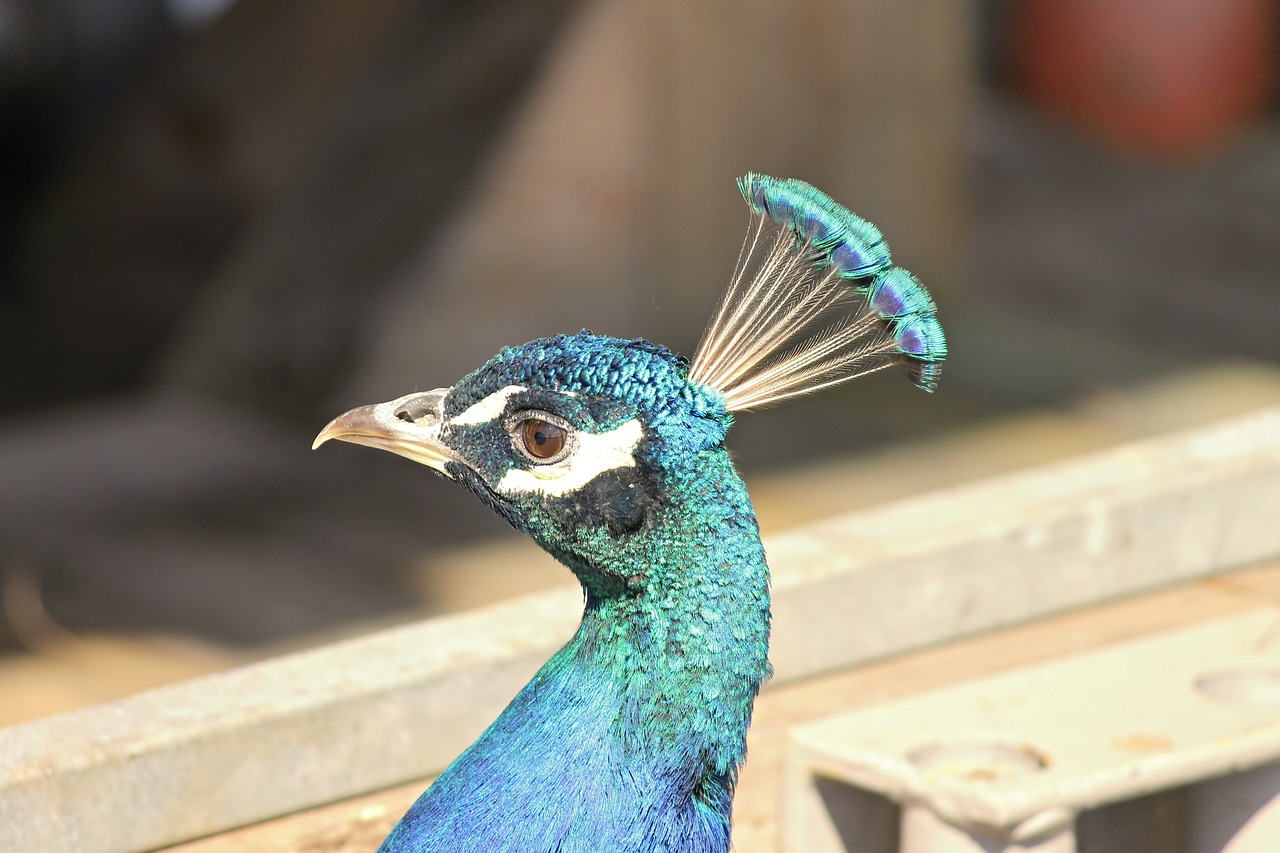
(1248, 686)
(978, 760)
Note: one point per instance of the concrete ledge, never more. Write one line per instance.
(262, 741)
(183, 761)
(1008, 763)
(1012, 548)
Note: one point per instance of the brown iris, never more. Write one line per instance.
(541, 439)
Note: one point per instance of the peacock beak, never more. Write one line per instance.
(408, 426)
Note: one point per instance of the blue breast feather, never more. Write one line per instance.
(549, 775)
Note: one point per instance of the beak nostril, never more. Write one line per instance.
(422, 409)
(414, 413)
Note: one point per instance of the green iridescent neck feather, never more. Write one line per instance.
(680, 616)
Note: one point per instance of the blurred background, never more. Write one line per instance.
(225, 221)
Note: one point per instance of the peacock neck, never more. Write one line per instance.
(630, 737)
(685, 633)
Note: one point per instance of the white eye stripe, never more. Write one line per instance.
(488, 409)
(492, 407)
(596, 454)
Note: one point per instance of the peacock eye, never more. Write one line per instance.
(543, 439)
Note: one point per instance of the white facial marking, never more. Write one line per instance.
(488, 409)
(597, 453)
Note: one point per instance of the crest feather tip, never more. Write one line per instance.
(813, 301)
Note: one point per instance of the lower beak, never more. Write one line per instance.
(409, 426)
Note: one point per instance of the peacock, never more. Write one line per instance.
(610, 454)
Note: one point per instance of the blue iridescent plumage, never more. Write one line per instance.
(897, 293)
(835, 236)
(920, 336)
(610, 454)
(807, 257)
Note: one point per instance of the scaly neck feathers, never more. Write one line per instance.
(634, 731)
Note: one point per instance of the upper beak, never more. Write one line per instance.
(409, 426)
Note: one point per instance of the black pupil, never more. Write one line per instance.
(541, 439)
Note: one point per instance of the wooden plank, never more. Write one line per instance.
(331, 723)
(1011, 548)
(359, 824)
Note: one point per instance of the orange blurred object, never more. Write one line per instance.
(1156, 76)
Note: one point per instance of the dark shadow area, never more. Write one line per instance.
(1155, 822)
(864, 821)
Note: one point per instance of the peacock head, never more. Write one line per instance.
(572, 438)
(582, 440)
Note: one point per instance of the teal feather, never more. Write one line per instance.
(833, 235)
(805, 260)
(897, 293)
(920, 337)
(923, 374)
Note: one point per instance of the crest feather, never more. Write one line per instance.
(814, 301)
